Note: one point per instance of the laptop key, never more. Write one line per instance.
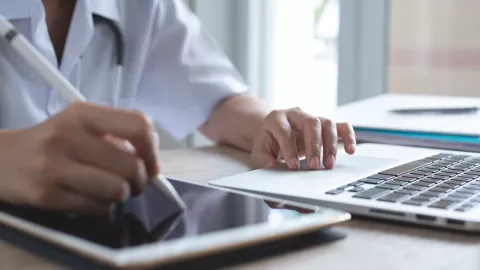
(415, 187)
(372, 181)
(405, 168)
(460, 156)
(418, 174)
(393, 197)
(454, 172)
(387, 186)
(431, 180)
(468, 205)
(467, 191)
(406, 191)
(447, 185)
(445, 174)
(439, 189)
(470, 163)
(356, 189)
(380, 176)
(371, 193)
(475, 183)
(438, 177)
(442, 155)
(462, 178)
(474, 187)
(414, 202)
(459, 167)
(430, 194)
(442, 204)
(355, 184)
(413, 176)
(475, 174)
(453, 199)
(422, 198)
(423, 183)
(460, 195)
(404, 179)
(463, 209)
(433, 165)
(425, 171)
(456, 182)
(396, 183)
(334, 192)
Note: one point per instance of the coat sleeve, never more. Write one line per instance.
(186, 74)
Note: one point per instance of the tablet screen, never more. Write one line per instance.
(152, 218)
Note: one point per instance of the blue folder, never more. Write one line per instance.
(424, 135)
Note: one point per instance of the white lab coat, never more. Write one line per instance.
(173, 69)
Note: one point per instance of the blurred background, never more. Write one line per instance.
(318, 54)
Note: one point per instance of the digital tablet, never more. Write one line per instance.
(151, 231)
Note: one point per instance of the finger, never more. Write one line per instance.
(300, 144)
(65, 200)
(265, 155)
(95, 183)
(276, 205)
(279, 127)
(113, 159)
(74, 202)
(311, 129)
(329, 135)
(347, 134)
(132, 126)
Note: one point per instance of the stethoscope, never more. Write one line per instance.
(116, 80)
(120, 57)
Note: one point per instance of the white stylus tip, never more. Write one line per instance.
(166, 188)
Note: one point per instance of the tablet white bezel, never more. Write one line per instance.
(156, 254)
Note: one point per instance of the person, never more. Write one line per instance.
(66, 157)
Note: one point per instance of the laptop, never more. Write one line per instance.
(416, 185)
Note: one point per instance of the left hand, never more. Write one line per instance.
(294, 133)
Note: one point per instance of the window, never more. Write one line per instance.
(303, 68)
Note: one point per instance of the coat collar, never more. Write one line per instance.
(22, 9)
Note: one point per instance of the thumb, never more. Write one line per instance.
(264, 159)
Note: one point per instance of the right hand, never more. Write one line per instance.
(68, 164)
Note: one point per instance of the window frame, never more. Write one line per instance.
(363, 49)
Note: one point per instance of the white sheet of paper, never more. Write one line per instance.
(375, 113)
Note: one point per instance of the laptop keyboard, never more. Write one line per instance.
(443, 181)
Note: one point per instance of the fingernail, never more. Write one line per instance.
(351, 148)
(315, 163)
(126, 193)
(293, 163)
(142, 178)
(330, 162)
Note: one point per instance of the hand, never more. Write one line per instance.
(294, 133)
(277, 205)
(75, 161)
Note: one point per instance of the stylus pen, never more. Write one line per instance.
(450, 111)
(67, 90)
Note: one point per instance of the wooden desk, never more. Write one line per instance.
(369, 244)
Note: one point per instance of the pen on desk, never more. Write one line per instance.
(440, 111)
(66, 89)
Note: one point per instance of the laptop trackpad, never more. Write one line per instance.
(306, 183)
